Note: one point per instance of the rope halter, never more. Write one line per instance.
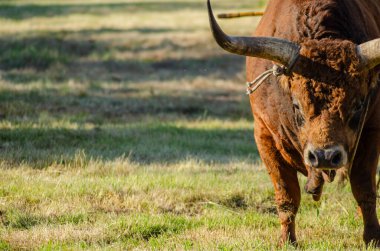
(275, 71)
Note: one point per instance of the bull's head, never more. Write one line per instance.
(328, 85)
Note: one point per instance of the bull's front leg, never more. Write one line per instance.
(288, 197)
(285, 181)
(363, 183)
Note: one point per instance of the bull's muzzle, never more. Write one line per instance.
(333, 157)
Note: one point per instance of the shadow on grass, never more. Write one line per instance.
(98, 108)
(112, 70)
(51, 58)
(87, 60)
(222, 67)
(42, 51)
(25, 11)
(161, 143)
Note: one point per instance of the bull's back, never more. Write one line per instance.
(283, 19)
(364, 15)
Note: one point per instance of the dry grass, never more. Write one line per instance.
(124, 126)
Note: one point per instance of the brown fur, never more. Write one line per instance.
(327, 83)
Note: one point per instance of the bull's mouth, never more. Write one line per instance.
(328, 169)
(316, 180)
(314, 186)
(329, 175)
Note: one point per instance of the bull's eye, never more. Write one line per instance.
(359, 106)
(298, 114)
(296, 105)
(356, 113)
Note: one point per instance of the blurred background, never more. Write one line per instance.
(114, 77)
(124, 126)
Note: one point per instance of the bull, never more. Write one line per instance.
(321, 113)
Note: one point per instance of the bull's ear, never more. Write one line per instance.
(369, 53)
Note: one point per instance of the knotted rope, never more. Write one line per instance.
(275, 71)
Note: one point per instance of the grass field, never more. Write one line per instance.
(124, 126)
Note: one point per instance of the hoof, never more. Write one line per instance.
(372, 237)
(283, 243)
(289, 241)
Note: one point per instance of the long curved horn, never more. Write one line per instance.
(369, 53)
(275, 49)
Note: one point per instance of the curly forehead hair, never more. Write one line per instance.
(332, 73)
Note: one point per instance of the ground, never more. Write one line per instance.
(124, 126)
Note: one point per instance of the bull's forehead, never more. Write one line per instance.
(332, 78)
(337, 55)
(337, 97)
(317, 97)
(332, 62)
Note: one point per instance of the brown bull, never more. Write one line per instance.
(313, 118)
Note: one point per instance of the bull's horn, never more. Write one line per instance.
(370, 53)
(278, 50)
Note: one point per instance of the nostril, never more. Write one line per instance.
(313, 159)
(336, 159)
